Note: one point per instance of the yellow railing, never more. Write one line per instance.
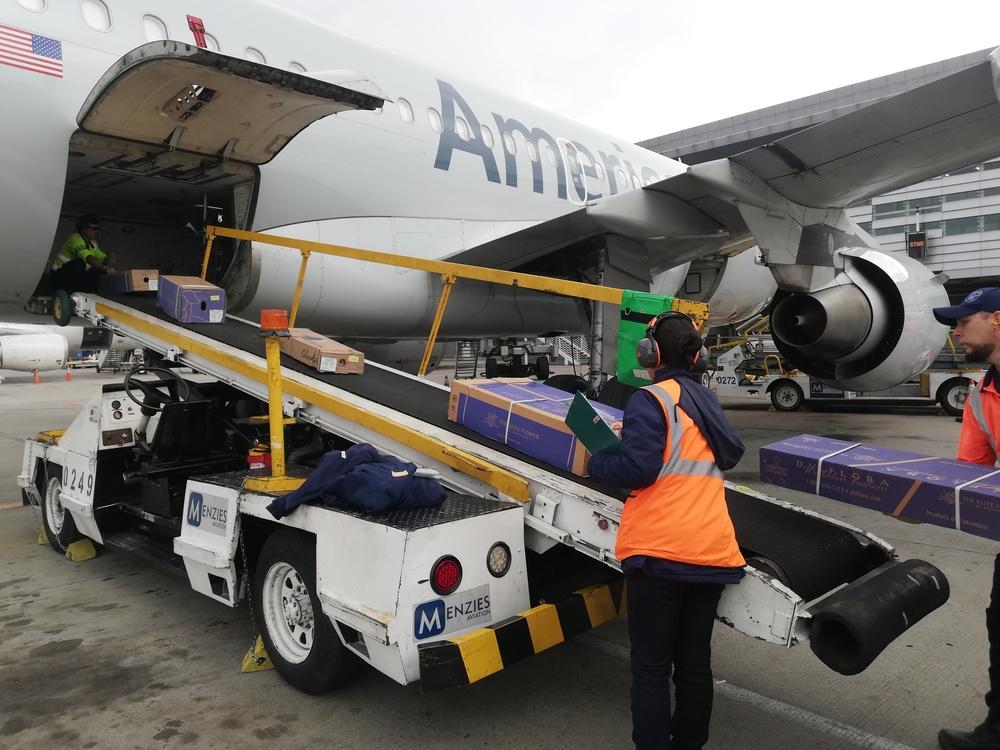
(450, 273)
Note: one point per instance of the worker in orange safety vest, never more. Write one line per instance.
(676, 542)
(976, 321)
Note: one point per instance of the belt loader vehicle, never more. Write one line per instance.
(519, 557)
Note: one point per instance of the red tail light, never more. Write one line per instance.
(446, 575)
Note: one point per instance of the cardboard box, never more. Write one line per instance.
(122, 282)
(527, 415)
(898, 483)
(191, 300)
(325, 355)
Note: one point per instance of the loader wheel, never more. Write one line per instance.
(952, 394)
(542, 368)
(492, 367)
(301, 641)
(60, 529)
(786, 396)
(62, 307)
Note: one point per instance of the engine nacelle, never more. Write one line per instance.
(33, 351)
(736, 287)
(870, 329)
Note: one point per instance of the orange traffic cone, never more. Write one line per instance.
(37, 379)
(68, 376)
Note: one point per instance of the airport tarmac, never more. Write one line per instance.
(113, 653)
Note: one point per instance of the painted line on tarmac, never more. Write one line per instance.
(778, 708)
(10, 506)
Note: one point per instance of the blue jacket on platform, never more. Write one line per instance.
(361, 478)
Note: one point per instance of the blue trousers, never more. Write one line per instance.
(670, 625)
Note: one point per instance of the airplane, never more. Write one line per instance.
(29, 347)
(150, 117)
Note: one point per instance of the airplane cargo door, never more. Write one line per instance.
(171, 139)
(175, 96)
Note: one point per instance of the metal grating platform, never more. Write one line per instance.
(454, 508)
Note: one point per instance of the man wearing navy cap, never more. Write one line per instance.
(977, 328)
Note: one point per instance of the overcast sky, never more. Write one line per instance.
(640, 69)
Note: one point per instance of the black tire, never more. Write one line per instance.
(284, 564)
(951, 396)
(492, 367)
(60, 529)
(569, 383)
(62, 307)
(786, 395)
(542, 368)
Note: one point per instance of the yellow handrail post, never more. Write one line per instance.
(297, 297)
(209, 237)
(274, 324)
(449, 282)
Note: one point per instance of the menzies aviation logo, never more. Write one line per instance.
(455, 612)
(195, 504)
(208, 512)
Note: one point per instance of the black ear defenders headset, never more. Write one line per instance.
(647, 351)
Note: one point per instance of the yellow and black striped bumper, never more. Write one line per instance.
(472, 656)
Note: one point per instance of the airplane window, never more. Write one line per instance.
(153, 29)
(532, 150)
(508, 142)
(255, 55)
(434, 117)
(635, 182)
(96, 14)
(487, 136)
(621, 179)
(36, 6)
(405, 110)
(297, 67)
(211, 43)
(462, 128)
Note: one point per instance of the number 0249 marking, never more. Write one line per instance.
(81, 481)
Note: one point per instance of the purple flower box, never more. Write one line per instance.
(526, 415)
(898, 483)
(191, 300)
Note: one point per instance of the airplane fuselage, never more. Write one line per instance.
(444, 166)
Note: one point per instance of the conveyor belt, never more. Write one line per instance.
(390, 389)
(814, 556)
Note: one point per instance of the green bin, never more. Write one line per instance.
(638, 308)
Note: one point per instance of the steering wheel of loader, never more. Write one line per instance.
(156, 393)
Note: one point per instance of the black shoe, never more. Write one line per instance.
(983, 737)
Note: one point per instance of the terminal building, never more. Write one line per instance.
(958, 213)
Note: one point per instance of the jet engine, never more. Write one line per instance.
(869, 329)
(34, 351)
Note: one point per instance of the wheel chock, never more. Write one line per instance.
(256, 659)
(42, 539)
(80, 550)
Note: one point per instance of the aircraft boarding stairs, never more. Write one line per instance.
(797, 556)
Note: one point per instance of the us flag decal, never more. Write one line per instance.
(27, 51)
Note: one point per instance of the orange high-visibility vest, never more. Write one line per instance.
(978, 441)
(682, 516)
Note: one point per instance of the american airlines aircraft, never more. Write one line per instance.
(178, 113)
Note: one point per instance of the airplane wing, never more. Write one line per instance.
(925, 132)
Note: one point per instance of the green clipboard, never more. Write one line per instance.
(590, 427)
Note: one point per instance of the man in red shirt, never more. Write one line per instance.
(977, 328)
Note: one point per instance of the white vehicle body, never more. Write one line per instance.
(372, 574)
(753, 370)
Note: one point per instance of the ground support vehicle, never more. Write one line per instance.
(752, 369)
(518, 558)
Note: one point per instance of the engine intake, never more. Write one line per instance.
(870, 329)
